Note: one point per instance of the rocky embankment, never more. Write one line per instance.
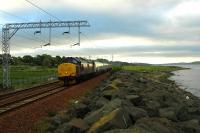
(129, 102)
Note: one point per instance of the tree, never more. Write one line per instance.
(27, 59)
(46, 62)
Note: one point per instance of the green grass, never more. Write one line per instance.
(151, 68)
(27, 76)
(161, 73)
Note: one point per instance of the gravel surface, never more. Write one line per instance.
(22, 120)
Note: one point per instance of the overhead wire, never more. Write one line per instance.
(20, 18)
(10, 14)
(33, 4)
(86, 38)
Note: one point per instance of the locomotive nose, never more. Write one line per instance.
(66, 70)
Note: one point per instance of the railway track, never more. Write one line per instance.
(4, 95)
(14, 100)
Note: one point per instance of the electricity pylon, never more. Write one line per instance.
(10, 29)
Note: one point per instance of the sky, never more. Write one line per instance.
(146, 31)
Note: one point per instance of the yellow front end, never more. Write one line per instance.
(66, 70)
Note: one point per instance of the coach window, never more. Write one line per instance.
(82, 67)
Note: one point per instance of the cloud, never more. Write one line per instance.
(128, 28)
(186, 13)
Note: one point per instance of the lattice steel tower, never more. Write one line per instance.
(9, 30)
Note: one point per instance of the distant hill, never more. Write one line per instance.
(184, 63)
(196, 62)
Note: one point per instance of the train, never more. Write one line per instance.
(74, 69)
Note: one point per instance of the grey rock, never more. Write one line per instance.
(110, 106)
(121, 131)
(155, 125)
(64, 128)
(110, 87)
(110, 94)
(74, 126)
(118, 118)
(80, 109)
(135, 99)
(169, 113)
(101, 102)
(182, 113)
(79, 124)
(191, 126)
(136, 113)
(142, 80)
(56, 121)
(152, 107)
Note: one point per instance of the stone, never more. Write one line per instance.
(110, 94)
(191, 126)
(135, 99)
(136, 113)
(101, 102)
(169, 113)
(182, 113)
(152, 108)
(56, 120)
(118, 118)
(93, 116)
(76, 125)
(80, 109)
(111, 87)
(142, 80)
(79, 124)
(155, 125)
(64, 128)
(118, 83)
(121, 131)
(107, 108)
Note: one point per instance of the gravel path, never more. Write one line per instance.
(23, 119)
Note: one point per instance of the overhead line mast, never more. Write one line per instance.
(10, 29)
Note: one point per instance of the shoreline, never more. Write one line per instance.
(178, 77)
(131, 101)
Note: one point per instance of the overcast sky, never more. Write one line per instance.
(150, 31)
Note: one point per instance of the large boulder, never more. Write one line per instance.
(80, 109)
(152, 106)
(118, 118)
(142, 80)
(191, 126)
(155, 125)
(182, 113)
(114, 85)
(112, 94)
(107, 108)
(101, 102)
(135, 99)
(169, 113)
(136, 113)
(121, 131)
(162, 96)
(79, 124)
(76, 125)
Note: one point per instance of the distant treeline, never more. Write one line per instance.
(50, 61)
(40, 60)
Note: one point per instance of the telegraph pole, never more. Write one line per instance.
(10, 29)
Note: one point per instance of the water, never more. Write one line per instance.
(188, 79)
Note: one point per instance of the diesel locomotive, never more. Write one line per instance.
(76, 69)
